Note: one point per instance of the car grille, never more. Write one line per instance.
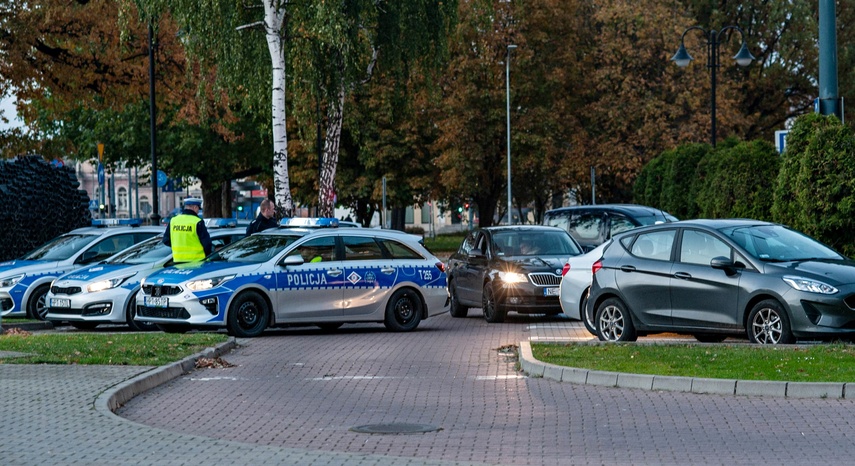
(545, 279)
(65, 311)
(65, 290)
(161, 290)
(163, 312)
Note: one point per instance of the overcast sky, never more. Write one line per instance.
(8, 107)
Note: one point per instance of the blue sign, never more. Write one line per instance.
(781, 140)
(161, 179)
(93, 204)
(100, 173)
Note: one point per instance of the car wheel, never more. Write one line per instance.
(173, 328)
(614, 322)
(768, 324)
(248, 315)
(131, 313)
(710, 337)
(587, 316)
(330, 327)
(84, 325)
(457, 309)
(492, 311)
(37, 305)
(403, 311)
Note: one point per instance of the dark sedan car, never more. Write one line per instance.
(714, 278)
(509, 268)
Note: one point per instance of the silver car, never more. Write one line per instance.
(300, 276)
(576, 284)
(106, 293)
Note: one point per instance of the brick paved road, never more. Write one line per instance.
(302, 388)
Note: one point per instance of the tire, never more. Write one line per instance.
(614, 322)
(709, 337)
(248, 315)
(587, 317)
(492, 311)
(457, 309)
(37, 306)
(84, 325)
(131, 312)
(330, 326)
(404, 311)
(768, 324)
(173, 328)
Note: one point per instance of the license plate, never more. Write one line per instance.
(59, 302)
(550, 291)
(156, 301)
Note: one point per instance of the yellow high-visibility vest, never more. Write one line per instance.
(186, 246)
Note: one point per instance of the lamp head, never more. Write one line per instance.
(743, 57)
(682, 57)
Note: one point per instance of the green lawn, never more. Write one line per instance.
(810, 363)
(444, 243)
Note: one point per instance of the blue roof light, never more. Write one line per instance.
(115, 222)
(312, 222)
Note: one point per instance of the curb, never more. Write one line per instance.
(113, 398)
(538, 369)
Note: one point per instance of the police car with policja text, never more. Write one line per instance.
(300, 276)
(24, 282)
(107, 292)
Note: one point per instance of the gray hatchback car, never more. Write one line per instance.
(715, 278)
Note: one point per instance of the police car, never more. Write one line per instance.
(300, 276)
(24, 282)
(106, 292)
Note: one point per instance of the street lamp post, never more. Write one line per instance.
(508, 109)
(682, 59)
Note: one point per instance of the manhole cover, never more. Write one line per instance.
(395, 429)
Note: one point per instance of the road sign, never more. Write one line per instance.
(781, 140)
(100, 173)
(93, 204)
(100, 152)
(161, 179)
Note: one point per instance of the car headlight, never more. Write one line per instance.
(208, 283)
(107, 284)
(811, 286)
(10, 281)
(513, 277)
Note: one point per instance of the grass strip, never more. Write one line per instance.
(133, 349)
(809, 363)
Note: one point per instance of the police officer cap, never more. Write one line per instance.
(192, 201)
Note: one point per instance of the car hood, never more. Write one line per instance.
(184, 272)
(833, 272)
(29, 267)
(552, 264)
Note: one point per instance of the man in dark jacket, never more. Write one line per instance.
(265, 218)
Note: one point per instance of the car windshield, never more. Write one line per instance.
(60, 248)
(254, 249)
(776, 243)
(534, 243)
(148, 251)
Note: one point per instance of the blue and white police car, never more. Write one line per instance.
(24, 282)
(300, 276)
(107, 292)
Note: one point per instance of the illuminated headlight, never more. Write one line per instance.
(107, 284)
(513, 277)
(811, 286)
(208, 283)
(10, 281)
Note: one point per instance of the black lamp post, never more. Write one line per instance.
(155, 217)
(682, 59)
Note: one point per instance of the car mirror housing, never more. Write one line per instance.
(292, 260)
(476, 253)
(724, 263)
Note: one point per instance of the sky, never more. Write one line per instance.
(8, 107)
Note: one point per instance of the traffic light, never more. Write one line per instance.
(466, 206)
(240, 208)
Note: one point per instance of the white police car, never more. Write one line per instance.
(300, 276)
(24, 282)
(107, 292)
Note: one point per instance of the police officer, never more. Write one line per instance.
(265, 218)
(186, 234)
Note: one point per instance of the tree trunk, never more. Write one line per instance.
(274, 12)
(326, 199)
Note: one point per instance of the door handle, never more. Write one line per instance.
(334, 272)
(627, 268)
(683, 275)
(388, 270)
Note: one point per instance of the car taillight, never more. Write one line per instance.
(596, 266)
(440, 266)
(565, 269)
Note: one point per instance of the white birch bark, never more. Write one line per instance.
(274, 14)
(330, 157)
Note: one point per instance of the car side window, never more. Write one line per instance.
(483, 244)
(468, 244)
(700, 248)
(316, 250)
(655, 245)
(358, 248)
(399, 251)
(619, 224)
(111, 245)
(586, 226)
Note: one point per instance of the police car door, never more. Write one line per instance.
(369, 277)
(312, 290)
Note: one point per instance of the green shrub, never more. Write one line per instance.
(677, 197)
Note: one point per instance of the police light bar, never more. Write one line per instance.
(110, 222)
(316, 222)
(221, 222)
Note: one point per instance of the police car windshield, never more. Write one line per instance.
(146, 252)
(60, 248)
(253, 249)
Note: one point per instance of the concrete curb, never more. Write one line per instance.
(535, 368)
(112, 399)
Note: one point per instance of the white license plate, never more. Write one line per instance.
(156, 301)
(550, 291)
(59, 302)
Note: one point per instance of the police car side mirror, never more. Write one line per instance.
(296, 259)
